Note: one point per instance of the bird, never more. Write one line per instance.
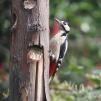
(58, 45)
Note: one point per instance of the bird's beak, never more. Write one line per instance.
(58, 20)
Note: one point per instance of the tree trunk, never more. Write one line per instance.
(29, 51)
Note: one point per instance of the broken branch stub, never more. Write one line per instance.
(29, 4)
(34, 54)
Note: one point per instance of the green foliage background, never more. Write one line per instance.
(81, 71)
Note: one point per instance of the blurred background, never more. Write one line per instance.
(80, 75)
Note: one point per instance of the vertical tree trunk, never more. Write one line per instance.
(29, 51)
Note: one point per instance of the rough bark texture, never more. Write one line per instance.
(29, 51)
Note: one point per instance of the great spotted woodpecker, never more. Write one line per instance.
(58, 45)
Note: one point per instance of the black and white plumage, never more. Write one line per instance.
(58, 46)
(63, 50)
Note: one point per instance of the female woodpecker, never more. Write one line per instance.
(58, 45)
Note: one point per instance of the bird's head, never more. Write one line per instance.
(64, 25)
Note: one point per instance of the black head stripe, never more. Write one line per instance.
(64, 34)
(64, 29)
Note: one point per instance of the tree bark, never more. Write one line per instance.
(29, 72)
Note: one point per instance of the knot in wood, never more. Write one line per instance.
(29, 4)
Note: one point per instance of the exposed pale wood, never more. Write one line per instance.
(32, 81)
(40, 79)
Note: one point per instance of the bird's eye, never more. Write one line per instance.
(64, 23)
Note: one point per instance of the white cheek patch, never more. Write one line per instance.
(67, 27)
